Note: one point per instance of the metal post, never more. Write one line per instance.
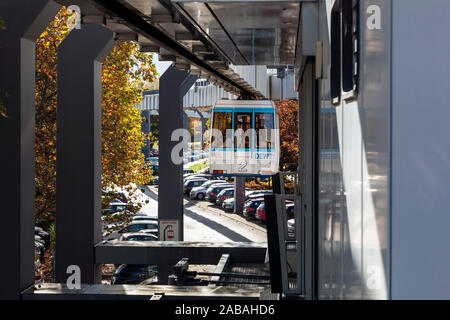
(173, 85)
(239, 195)
(23, 22)
(79, 168)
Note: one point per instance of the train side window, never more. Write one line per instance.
(264, 124)
(242, 127)
(222, 121)
(335, 68)
(350, 48)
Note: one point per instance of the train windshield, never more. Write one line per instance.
(243, 133)
(264, 123)
(222, 122)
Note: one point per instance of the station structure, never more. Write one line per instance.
(371, 189)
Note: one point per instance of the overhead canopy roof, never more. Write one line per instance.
(205, 37)
(249, 32)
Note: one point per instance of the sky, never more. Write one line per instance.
(161, 66)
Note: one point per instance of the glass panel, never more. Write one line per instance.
(242, 126)
(222, 121)
(263, 137)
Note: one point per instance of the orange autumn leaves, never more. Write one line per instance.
(288, 111)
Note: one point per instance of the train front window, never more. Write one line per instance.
(222, 122)
(242, 127)
(264, 124)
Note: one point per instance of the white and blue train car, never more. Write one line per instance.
(245, 138)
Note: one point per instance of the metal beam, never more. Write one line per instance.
(170, 252)
(79, 166)
(23, 22)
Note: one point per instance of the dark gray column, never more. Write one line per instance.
(146, 123)
(239, 195)
(23, 22)
(173, 85)
(79, 169)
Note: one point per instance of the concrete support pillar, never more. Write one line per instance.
(239, 195)
(23, 21)
(173, 85)
(79, 168)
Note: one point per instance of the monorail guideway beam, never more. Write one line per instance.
(23, 21)
(79, 166)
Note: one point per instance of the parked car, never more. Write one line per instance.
(192, 183)
(199, 193)
(119, 196)
(138, 237)
(228, 204)
(144, 218)
(133, 273)
(155, 181)
(44, 235)
(214, 190)
(134, 226)
(199, 175)
(188, 171)
(254, 193)
(150, 231)
(223, 195)
(115, 207)
(260, 213)
(204, 171)
(250, 207)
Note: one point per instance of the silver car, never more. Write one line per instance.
(228, 204)
(200, 192)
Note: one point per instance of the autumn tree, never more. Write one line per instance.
(288, 111)
(123, 163)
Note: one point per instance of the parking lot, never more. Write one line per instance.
(203, 221)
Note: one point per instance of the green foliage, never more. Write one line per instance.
(199, 166)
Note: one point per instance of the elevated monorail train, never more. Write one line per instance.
(245, 138)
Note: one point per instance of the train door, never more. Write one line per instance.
(243, 140)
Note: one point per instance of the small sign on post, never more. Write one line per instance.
(168, 230)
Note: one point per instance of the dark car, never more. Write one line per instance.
(192, 183)
(132, 227)
(213, 191)
(133, 273)
(115, 207)
(138, 237)
(188, 171)
(120, 196)
(223, 195)
(251, 206)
